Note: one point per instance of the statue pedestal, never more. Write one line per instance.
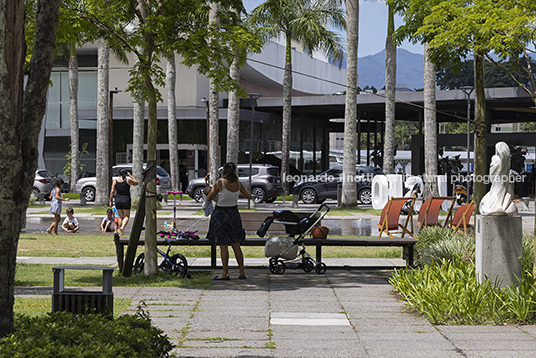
(498, 248)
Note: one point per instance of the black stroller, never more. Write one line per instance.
(289, 252)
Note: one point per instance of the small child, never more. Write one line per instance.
(108, 223)
(70, 224)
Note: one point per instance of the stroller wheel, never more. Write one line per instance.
(320, 268)
(280, 269)
(308, 264)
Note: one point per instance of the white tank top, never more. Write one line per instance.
(227, 198)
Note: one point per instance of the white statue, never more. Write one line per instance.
(498, 201)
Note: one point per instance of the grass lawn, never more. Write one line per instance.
(35, 275)
(103, 245)
(33, 306)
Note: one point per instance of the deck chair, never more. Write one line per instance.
(461, 218)
(429, 213)
(389, 220)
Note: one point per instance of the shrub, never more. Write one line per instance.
(64, 334)
(32, 200)
(437, 243)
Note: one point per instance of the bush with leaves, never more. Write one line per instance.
(64, 334)
(437, 243)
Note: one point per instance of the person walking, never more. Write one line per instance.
(55, 205)
(225, 226)
(121, 191)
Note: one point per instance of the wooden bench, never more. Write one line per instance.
(406, 243)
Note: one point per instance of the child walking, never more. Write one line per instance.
(70, 224)
(55, 205)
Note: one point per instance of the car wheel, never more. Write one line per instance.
(198, 194)
(258, 195)
(365, 196)
(309, 196)
(36, 192)
(89, 194)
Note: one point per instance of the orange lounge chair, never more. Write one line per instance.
(429, 213)
(461, 218)
(389, 220)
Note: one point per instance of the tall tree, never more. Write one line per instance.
(102, 194)
(349, 193)
(171, 78)
(21, 114)
(213, 109)
(151, 29)
(73, 114)
(430, 127)
(390, 92)
(307, 23)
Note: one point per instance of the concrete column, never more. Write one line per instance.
(498, 248)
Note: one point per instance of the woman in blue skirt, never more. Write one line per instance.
(225, 223)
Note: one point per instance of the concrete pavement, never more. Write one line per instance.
(346, 312)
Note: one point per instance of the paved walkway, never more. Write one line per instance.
(344, 313)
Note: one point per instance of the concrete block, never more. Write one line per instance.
(498, 248)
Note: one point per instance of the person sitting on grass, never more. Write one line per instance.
(108, 223)
(70, 224)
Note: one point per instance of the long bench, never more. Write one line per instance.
(406, 243)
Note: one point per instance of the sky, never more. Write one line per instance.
(372, 27)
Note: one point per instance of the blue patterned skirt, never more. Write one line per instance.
(225, 226)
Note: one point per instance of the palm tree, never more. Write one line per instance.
(103, 164)
(213, 112)
(390, 91)
(349, 194)
(430, 127)
(305, 22)
(172, 122)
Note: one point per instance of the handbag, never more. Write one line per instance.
(320, 232)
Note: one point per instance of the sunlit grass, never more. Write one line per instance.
(39, 306)
(41, 275)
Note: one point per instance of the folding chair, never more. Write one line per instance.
(429, 213)
(461, 218)
(389, 220)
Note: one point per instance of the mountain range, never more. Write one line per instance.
(409, 69)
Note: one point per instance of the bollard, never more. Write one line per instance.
(42, 198)
(526, 201)
(295, 199)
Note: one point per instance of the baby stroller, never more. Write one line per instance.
(289, 252)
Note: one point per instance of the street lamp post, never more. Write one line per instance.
(254, 97)
(205, 100)
(111, 136)
(468, 90)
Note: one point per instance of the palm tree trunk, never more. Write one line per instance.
(103, 165)
(390, 92)
(480, 131)
(287, 117)
(349, 195)
(233, 117)
(430, 128)
(137, 146)
(172, 123)
(213, 115)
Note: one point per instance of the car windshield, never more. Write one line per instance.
(161, 171)
(45, 174)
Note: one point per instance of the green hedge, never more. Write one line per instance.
(64, 334)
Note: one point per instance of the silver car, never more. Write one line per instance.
(43, 182)
(265, 183)
(86, 186)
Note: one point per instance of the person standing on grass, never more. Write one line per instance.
(55, 205)
(121, 191)
(70, 224)
(225, 226)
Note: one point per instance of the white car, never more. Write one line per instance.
(86, 186)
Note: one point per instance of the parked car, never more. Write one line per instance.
(87, 186)
(43, 182)
(265, 183)
(324, 185)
